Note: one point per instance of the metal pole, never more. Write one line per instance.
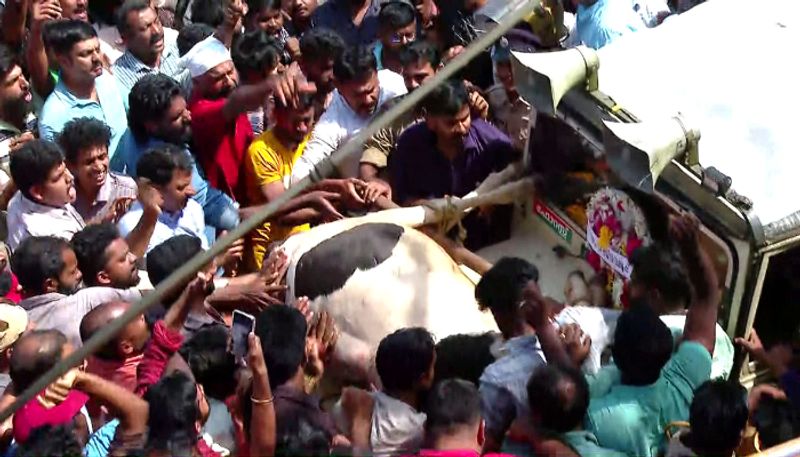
(326, 168)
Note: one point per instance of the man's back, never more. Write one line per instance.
(632, 419)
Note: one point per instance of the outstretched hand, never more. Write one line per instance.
(534, 306)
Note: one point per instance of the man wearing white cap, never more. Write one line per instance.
(218, 105)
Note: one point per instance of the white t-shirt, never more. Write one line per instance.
(338, 124)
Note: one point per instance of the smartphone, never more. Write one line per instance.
(242, 326)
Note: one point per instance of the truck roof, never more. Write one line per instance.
(730, 67)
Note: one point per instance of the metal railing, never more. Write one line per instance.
(515, 11)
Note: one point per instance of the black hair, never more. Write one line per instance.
(717, 417)
(159, 164)
(777, 421)
(82, 133)
(305, 100)
(255, 52)
(32, 164)
(255, 6)
(170, 255)
(209, 12)
(642, 345)
(662, 269)
(8, 60)
(150, 99)
(396, 14)
(102, 11)
(321, 43)
(421, 50)
(191, 34)
(500, 288)
(52, 441)
(173, 414)
(129, 6)
(463, 356)
(90, 246)
(404, 357)
(37, 259)
(25, 367)
(446, 99)
(355, 63)
(302, 436)
(559, 396)
(282, 331)
(451, 405)
(212, 365)
(61, 36)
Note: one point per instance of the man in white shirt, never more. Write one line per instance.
(43, 205)
(360, 91)
(169, 170)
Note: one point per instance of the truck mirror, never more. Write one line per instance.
(542, 78)
(639, 152)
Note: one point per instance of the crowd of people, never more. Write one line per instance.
(135, 133)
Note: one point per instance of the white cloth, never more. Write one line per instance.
(189, 221)
(28, 218)
(205, 55)
(593, 324)
(397, 428)
(338, 123)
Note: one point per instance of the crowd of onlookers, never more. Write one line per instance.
(134, 133)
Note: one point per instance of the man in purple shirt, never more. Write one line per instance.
(450, 154)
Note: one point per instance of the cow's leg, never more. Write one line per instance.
(351, 360)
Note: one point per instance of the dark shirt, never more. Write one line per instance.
(419, 171)
(335, 15)
(292, 405)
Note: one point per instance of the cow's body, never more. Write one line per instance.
(375, 276)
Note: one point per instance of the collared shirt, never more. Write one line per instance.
(188, 221)
(65, 312)
(29, 218)
(128, 70)
(513, 118)
(632, 419)
(335, 15)
(504, 383)
(112, 45)
(62, 106)
(115, 187)
(338, 124)
(585, 445)
(604, 21)
(418, 170)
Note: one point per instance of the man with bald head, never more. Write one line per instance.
(118, 359)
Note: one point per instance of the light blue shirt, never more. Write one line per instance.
(188, 221)
(128, 70)
(62, 106)
(604, 21)
(100, 442)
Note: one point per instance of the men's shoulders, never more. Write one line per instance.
(121, 180)
(585, 444)
(92, 297)
(689, 367)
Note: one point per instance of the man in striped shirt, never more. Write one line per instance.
(148, 51)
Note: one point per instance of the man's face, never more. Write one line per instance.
(91, 169)
(296, 124)
(58, 189)
(506, 77)
(178, 191)
(69, 280)
(268, 20)
(302, 9)
(220, 81)
(361, 94)
(75, 9)
(398, 38)
(144, 35)
(83, 62)
(134, 337)
(416, 73)
(15, 94)
(175, 126)
(320, 72)
(451, 129)
(120, 270)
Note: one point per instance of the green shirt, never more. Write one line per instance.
(632, 419)
(585, 445)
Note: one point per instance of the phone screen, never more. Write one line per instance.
(243, 324)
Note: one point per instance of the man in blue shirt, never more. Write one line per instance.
(599, 22)
(158, 115)
(356, 21)
(84, 89)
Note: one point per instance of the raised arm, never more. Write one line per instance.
(262, 422)
(42, 12)
(139, 238)
(537, 313)
(15, 15)
(701, 319)
(124, 404)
